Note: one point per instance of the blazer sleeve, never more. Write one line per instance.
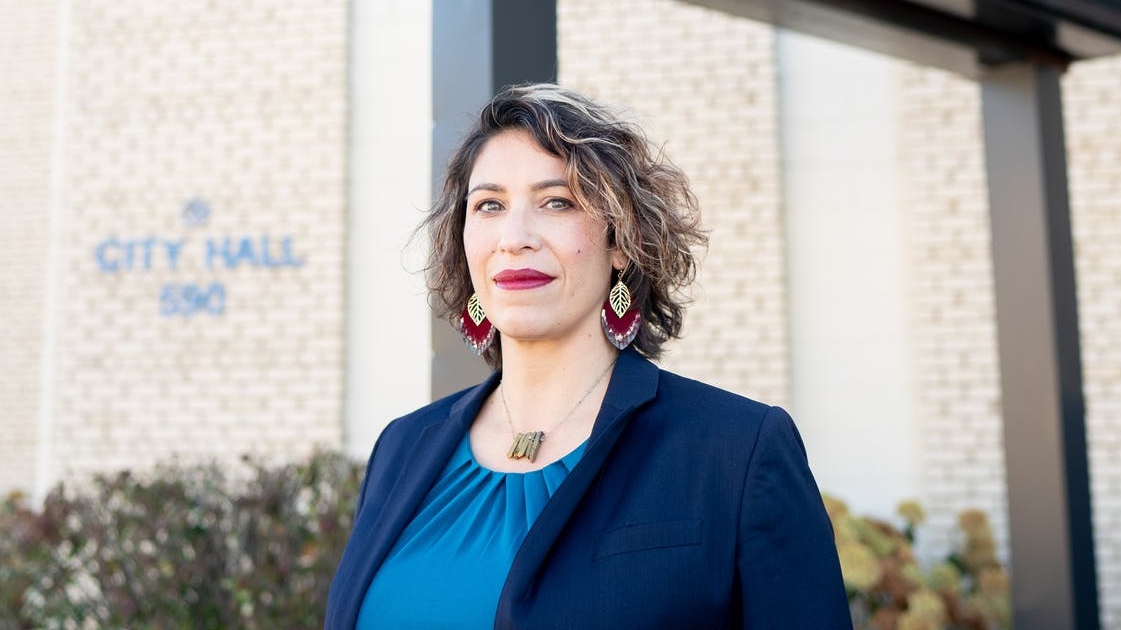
(786, 557)
(342, 584)
(366, 477)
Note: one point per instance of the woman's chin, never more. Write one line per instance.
(524, 334)
(533, 332)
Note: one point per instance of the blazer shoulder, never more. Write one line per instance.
(681, 392)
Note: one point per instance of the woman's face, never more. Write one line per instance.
(540, 265)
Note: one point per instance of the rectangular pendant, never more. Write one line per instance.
(534, 444)
(522, 442)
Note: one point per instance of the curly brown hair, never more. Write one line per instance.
(615, 175)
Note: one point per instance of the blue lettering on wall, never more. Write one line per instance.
(105, 253)
(286, 258)
(114, 254)
(123, 255)
(290, 259)
(173, 248)
(233, 252)
(147, 245)
(213, 250)
(189, 299)
(244, 252)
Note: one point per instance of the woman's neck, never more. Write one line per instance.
(550, 377)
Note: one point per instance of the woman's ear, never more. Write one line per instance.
(618, 260)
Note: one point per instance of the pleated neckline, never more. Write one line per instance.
(448, 565)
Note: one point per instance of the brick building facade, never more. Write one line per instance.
(173, 243)
(188, 196)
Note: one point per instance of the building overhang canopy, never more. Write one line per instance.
(962, 36)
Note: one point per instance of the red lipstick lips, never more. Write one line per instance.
(521, 279)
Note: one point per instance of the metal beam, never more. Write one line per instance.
(961, 36)
(1053, 577)
(478, 47)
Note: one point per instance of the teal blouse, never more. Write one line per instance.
(448, 567)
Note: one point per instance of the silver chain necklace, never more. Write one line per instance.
(526, 444)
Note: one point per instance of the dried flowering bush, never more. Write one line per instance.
(887, 589)
(185, 547)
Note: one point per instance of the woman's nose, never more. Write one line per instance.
(519, 229)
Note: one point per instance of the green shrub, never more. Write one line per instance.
(190, 547)
(185, 547)
(887, 590)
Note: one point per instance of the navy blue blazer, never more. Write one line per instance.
(691, 507)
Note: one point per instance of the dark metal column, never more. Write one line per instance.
(1053, 577)
(478, 47)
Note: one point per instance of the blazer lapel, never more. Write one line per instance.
(634, 381)
(429, 454)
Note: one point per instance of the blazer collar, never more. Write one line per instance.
(428, 455)
(634, 382)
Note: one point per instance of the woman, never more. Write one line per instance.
(580, 486)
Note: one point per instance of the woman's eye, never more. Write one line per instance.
(488, 206)
(559, 204)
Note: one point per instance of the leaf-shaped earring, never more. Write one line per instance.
(620, 321)
(477, 331)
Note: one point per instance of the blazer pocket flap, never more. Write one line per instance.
(644, 536)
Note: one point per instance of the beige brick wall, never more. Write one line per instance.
(28, 41)
(952, 318)
(1092, 100)
(243, 105)
(703, 83)
(954, 327)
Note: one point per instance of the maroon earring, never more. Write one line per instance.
(476, 329)
(620, 322)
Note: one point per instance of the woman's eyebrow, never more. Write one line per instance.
(548, 183)
(485, 186)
